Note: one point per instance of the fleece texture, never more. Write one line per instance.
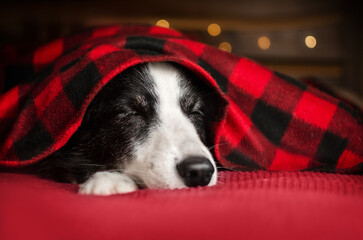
(271, 121)
(273, 205)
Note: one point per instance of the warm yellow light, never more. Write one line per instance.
(214, 29)
(310, 41)
(263, 43)
(163, 23)
(225, 46)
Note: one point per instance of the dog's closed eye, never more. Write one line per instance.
(135, 106)
(139, 105)
(192, 107)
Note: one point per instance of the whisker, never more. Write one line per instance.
(225, 168)
(220, 144)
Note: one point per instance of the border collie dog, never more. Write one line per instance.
(146, 128)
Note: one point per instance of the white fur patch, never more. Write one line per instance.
(107, 183)
(171, 141)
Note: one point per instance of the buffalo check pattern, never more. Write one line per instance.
(271, 121)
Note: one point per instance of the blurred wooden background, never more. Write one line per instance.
(336, 25)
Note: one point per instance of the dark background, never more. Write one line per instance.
(337, 26)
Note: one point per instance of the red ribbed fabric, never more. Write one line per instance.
(243, 205)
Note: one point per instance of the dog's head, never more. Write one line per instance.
(153, 123)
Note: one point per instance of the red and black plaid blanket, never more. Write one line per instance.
(272, 121)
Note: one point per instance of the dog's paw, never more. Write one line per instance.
(107, 183)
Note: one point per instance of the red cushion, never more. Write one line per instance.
(244, 205)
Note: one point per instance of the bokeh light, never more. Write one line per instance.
(214, 29)
(264, 43)
(225, 46)
(310, 41)
(163, 23)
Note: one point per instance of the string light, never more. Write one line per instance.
(214, 29)
(163, 23)
(264, 43)
(225, 46)
(310, 41)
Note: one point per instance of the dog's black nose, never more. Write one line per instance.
(195, 171)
